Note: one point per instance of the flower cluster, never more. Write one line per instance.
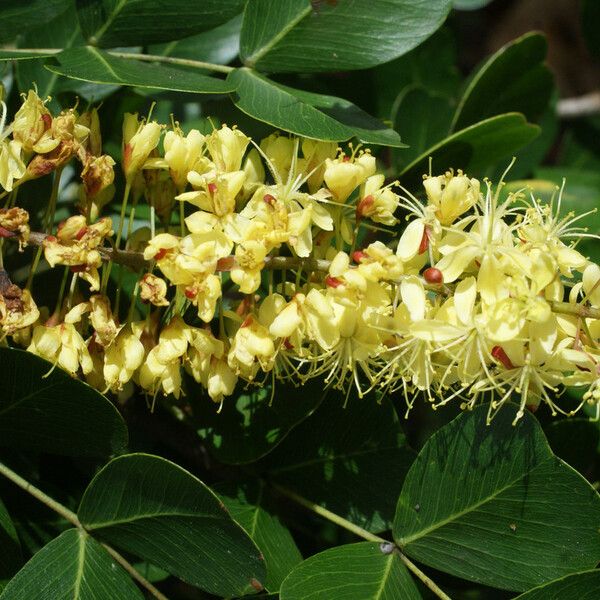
(273, 269)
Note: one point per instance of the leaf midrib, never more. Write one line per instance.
(251, 60)
(115, 522)
(80, 564)
(455, 516)
(97, 35)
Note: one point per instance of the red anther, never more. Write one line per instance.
(425, 240)
(81, 233)
(5, 233)
(247, 321)
(345, 158)
(332, 281)
(358, 255)
(47, 121)
(287, 344)
(226, 263)
(364, 205)
(501, 356)
(127, 152)
(189, 293)
(212, 188)
(269, 199)
(161, 254)
(60, 225)
(50, 238)
(78, 268)
(433, 275)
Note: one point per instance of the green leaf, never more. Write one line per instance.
(514, 79)
(10, 549)
(422, 118)
(219, 45)
(61, 32)
(253, 423)
(17, 16)
(90, 64)
(350, 460)
(248, 505)
(158, 511)
(304, 36)
(431, 66)
(73, 566)
(53, 411)
(492, 504)
(363, 571)
(473, 148)
(579, 586)
(107, 23)
(305, 113)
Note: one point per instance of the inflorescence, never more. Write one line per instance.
(267, 265)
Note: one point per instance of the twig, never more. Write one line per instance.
(134, 573)
(362, 533)
(579, 106)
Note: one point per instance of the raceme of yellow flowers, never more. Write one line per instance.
(267, 265)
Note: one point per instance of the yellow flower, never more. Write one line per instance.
(249, 261)
(451, 195)
(12, 166)
(344, 174)
(227, 147)
(139, 139)
(122, 358)
(153, 289)
(17, 309)
(31, 121)
(252, 348)
(377, 203)
(184, 154)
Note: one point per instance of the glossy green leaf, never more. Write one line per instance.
(474, 148)
(492, 504)
(304, 36)
(16, 15)
(350, 460)
(73, 566)
(431, 67)
(363, 571)
(514, 79)
(305, 113)
(107, 23)
(156, 510)
(90, 64)
(422, 119)
(219, 45)
(61, 32)
(254, 422)
(53, 411)
(249, 506)
(579, 586)
(10, 549)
